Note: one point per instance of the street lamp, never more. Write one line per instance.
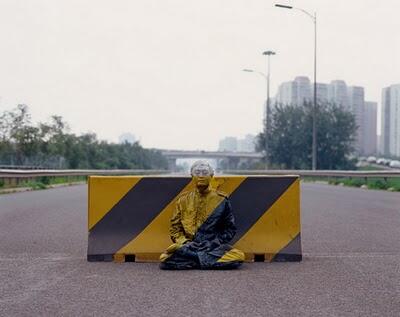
(314, 132)
(268, 54)
(268, 108)
(254, 71)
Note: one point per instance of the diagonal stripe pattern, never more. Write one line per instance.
(150, 239)
(104, 198)
(278, 224)
(133, 213)
(266, 210)
(253, 198)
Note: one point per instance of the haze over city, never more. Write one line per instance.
(170, 72)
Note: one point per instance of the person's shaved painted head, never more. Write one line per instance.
(202, 172)
(201, 168)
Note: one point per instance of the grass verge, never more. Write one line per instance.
(44, 182)
(372, 183)
(392, 183)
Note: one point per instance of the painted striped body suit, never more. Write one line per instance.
(201, 228)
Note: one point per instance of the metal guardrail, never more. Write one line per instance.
(10, 178)
(21, 167)
(320, 173)
(11, 173)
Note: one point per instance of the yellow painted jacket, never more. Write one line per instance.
(210, 210)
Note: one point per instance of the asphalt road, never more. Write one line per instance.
(351, 242)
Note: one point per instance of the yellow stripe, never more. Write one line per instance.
(155, 237)
(105, 192)
(276, 227)
(232, 255)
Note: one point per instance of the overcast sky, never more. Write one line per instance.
(169, 71)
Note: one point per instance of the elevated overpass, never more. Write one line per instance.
(231, 159)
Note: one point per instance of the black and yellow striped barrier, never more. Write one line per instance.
(129, 216)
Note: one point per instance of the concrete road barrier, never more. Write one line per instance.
(128, 218)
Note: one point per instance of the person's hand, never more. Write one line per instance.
(178, 243)
(182, 240)
(173, 247)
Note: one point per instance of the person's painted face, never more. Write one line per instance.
(201, 176)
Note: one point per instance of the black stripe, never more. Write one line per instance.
(290, 253)
(133, 213)
(253, 197)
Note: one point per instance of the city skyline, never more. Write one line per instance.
(351, 98)
(336, 91)
(170, 72)
(390, 121)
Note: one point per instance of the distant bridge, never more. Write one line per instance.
(231, 159)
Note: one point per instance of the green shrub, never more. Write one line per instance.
(378, 184)
(356, 182)
(40, 185)
(35, 185)
(45, 180)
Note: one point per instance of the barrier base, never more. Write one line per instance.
(100, 258)
(155, 257)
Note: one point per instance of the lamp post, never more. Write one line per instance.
(268, 109)
(314, 114)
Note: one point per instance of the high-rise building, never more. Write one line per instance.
(294, 92)
(228, 144)
(356, 106)
(369, 124)
(303, 90)
(286, 93)
(247, 144)
(338, 93)
(390, 121)
(385, 122)
(233, 144)
(322, 93)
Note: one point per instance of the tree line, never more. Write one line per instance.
(289, 142)
(52, 145)
(289, 137)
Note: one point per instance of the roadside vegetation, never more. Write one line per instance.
(289, 137)
(44, 182)
(392, 183)
(51, 145)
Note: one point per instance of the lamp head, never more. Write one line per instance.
(283, 6)
(269, 53)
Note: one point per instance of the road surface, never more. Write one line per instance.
(351, 266)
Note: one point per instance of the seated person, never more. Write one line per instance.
(201, 227)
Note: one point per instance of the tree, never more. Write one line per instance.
(16, 128)
(290, 137)
(50, 144)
